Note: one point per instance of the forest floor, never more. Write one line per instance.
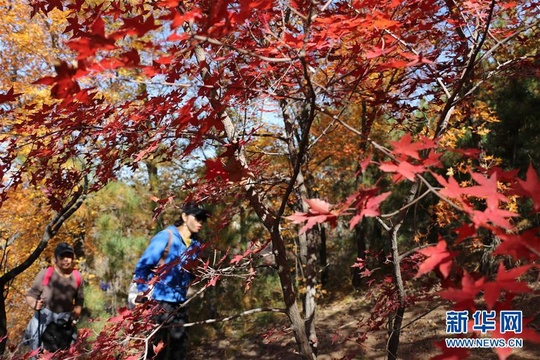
(337, 332)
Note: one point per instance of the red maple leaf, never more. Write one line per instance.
(498, 217)
(319, 212)
(464, 296)
(405, 147)
(433, 160)
(214, 169)
(404, 168)
(368, 206)
(365, 162)
(509, 176)
(73, 26)
(472, 153)
(9, 96)
(486, 188)
(438, 256)
(415, 59)
(520, 246)
(395, 64)
(138, 25)
(90, 43)
(64, 84)
(376, 51)
(465, 231)
(451, 189)
(531, 187)
(159, 347)
(507, 281)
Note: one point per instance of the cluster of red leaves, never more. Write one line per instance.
(100, 39)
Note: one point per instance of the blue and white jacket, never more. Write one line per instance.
(174, 282)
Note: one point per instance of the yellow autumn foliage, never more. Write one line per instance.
(23, 218)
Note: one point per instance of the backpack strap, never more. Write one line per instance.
(50, 270)
(78, 277)
(48, 275)
(166, 250)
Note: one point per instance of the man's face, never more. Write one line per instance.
(193, 224)
(65, 261)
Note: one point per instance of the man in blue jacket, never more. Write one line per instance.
(173, 250)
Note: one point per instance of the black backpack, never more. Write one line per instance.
(58, 335)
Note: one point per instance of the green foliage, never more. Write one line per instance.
(120, 221)
(95, 304)
(515, 138)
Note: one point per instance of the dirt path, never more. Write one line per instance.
(338, 334)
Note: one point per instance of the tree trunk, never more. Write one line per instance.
(323, 257)
(3, 320)
(308, 241)
(394, 327)
(394, 333)
(289, 296)
(153, 181)
(309, 263)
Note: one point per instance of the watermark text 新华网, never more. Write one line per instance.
(510, 322)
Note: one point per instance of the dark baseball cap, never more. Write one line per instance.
(198, 211)
(63, 248)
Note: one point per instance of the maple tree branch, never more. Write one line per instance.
(301, 16)
(438, 194)
(490, 74)
(70, 208)
(325, 6)
(270, 135)
(417, 199)
(531, 249)
(420, 316)
(306, 122)
(413, 250)
(236, 316)
(165, 83)
(325, 132)
(499, 67)
(467, 72)
(241, 51)
(414, 51)
(263, 152)
(366, 138)
(383, 224)
(500, 43)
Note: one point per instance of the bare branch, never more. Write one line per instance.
(236, 316)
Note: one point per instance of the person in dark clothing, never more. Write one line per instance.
(176, 248)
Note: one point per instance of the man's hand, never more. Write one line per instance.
(38, 304)
(76, 314)
(141, 298)
(191, 292)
